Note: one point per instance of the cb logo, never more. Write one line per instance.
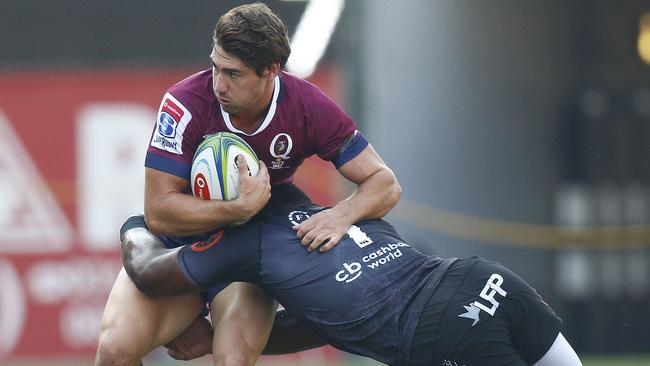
(351, 272)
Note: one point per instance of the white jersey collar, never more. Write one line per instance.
(267, 119)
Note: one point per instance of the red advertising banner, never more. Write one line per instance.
(72, 148)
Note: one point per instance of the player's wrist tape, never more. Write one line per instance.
(131, 223)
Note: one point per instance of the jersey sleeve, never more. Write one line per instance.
(176, 135)
(331, 129)
(350, 148)
(229, 255)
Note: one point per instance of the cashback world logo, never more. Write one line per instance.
(372, 261)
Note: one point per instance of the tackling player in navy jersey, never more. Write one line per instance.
(372, 295)
(285, 119)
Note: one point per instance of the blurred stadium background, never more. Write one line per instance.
(519, 130)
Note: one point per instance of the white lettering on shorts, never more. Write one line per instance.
(451, 363)
(491, 288)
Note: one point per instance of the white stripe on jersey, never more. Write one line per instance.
(269, 115)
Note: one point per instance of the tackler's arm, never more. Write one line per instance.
(152, 267)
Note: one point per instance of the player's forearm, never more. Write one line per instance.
(139, 250)
(150, 265)
(373, 198)
(180, 214)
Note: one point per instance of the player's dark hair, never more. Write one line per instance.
(255, 35)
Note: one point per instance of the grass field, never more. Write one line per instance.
(641, 360)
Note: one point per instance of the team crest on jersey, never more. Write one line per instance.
(296, 217)
(173, 117)
(280, 148)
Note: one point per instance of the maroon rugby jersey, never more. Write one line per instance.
(300, 122)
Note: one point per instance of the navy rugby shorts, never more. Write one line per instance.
(482, 314)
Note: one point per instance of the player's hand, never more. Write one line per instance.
(254, 192)
(194, 342)
(322, 231)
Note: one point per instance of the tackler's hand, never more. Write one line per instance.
(194, 342)
(322, 231)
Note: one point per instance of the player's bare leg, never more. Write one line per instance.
(242, 317)
(134, 324)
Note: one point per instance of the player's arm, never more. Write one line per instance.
(377, 193)
(152, 267)
(159, 271)
(171, 211)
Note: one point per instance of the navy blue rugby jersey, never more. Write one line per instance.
(364, 296)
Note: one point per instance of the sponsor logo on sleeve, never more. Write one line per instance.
(172, 121)
(168, 118)
(167, 125)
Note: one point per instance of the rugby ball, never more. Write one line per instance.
(214, 174)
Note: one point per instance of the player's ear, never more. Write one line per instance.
(272, 71)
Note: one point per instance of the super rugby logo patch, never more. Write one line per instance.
(172, 120)
(170, 115)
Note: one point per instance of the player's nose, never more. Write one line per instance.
(220, 84)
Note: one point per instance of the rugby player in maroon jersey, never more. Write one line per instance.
(285, 119)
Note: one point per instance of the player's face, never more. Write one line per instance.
(237, 87)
